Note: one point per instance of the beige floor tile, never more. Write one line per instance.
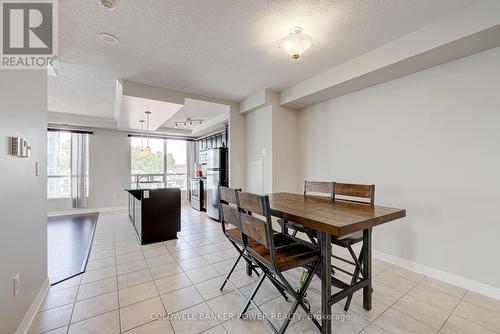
(224, 267)
(155, 327)
(59, 298)
(87, 308)
(193, 263)
(216, 330)
(434, 297)
(102, 263)
(97, 288)
(211, 288)
(51, 319)
(395, 281)
(347, 322)
(241, 279)
(304, 326)
(99, 274)
(480, 315)
(107, 323)
(406, 273)
(487, 302)
(129, 257)
(385, 293)
(204, 250)
(443, 287)
(457, 325)
(394, 321)
(230, 304)
(127, 250)
(373, 329)
(130, 267)
(220, 256)
(185, 254)
(140, 313)
(61, 330)
(160, 260)
(134, 278)
(197, 319)
(137, 293)
(202, 274)
(181, 299)
(69, 283)
(276, 308)
(378, 307)
(155, 252)
(173, 282)
(422, 311)
(165, 270)
(266, 292)
(251, 323)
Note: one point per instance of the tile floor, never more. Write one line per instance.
(130, 288)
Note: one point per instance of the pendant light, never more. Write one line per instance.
(142, 153)
(148, 148)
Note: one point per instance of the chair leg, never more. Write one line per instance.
(231, 271)
(252, 294)
(299, 299)
(355, 275)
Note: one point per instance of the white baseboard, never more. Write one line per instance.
(86, 210)
(444, 276)
(30, 315)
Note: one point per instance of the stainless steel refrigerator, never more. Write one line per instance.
(217, 175)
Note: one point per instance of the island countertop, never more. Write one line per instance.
(145, 186)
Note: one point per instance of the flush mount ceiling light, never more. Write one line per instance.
(108, 38)
(108, 4)
(296, 43)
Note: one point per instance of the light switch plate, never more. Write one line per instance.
(146, 194)
(37, 168)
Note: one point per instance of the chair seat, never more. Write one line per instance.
(289, 253)
(348, 239)
(234, 234)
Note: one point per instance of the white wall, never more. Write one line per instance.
(430, 142)
(109, 171)
(285, 142)
(23, 205)
(259, 149)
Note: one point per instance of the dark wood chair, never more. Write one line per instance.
(359, 193)
(229, 217)
(311, 188)
(228, 211)
(275, 253)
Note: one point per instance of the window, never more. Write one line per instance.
(59, 164)
(68, 165)
(167, 163)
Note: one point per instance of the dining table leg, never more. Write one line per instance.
(367, 268)
(326, 282)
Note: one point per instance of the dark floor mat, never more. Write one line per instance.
(69, 239)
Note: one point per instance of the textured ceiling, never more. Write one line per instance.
(219, 48)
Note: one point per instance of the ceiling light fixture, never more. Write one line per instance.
(108, 4)
(188, 123)
(148, 148)
(296, 43)
(108, 38)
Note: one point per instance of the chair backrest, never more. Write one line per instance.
(228, 207)
(319, 188)
(255, 218)
(355, 192)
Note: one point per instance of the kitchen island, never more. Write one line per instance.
(155, 211)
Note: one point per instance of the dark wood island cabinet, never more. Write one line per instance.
(155, 211)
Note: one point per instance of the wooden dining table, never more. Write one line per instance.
(335, 218)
